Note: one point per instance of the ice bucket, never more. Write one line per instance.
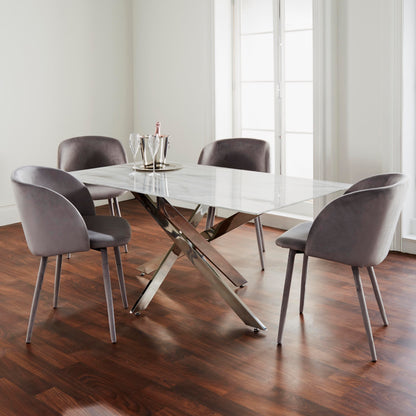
(161, 155)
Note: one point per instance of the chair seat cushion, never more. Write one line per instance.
(103, 192)
(107, 231)
(296, 237)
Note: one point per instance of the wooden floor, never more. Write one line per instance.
(189, 354)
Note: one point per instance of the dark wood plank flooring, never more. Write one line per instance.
(189, 354)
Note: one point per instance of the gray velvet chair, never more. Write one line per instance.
(87, 152)
(355, 229)
(58, 217)
(238, 153)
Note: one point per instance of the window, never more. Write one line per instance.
(273, 79)
(408, 124)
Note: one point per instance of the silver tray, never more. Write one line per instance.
(167, 167)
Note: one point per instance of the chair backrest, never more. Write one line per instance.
(59, 181)
(50, 202)
(376, 181)
(358, 227)
(89, 152)
(237, 153)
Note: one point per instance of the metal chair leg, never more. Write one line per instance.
(364, 312)
(303, 282)
(35, 301)
(377, 294)
(118, 211)
(108, 295)
(258, 223)
(286, 291)
(110, 205)
(120, 275)
(259, 233)
(58, 269)
(117, 205)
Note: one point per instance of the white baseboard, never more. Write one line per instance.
(10, 215)
(279, 220)
(274, 219)
(283, 221)
(124, 197)
(409, 244)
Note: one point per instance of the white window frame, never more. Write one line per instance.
(236, 112)
(325, 92)
(278, 159)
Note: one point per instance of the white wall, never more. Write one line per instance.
(223, 12)
(70, 67)
(409, 119)
(174, 72)
(369, 88)
(66, 70)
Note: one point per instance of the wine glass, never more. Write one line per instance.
(153, 142)
(134, 141)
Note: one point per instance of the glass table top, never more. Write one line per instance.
(239, 190)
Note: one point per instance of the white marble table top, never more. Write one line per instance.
(239, 190)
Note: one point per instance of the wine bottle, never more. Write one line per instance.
(157, 132)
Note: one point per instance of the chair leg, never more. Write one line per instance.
(108, 295)
(257, 222)
(120, 275)
(210, 218)
(286, 291)
(117, 206)
(111, 206)
(118, 211)
(35, 301)
(58, 269)
(259, 234)
(303, 282)
(364, 312)
(377, 295)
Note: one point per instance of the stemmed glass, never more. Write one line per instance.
(153, 142)
(134, 141)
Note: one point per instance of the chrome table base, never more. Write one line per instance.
(202, 255)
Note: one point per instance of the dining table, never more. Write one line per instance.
(242, 194)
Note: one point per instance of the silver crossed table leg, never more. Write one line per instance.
(202, 255)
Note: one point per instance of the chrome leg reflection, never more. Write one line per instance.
(222, 287)
(166, 264)
(154, 284)
(202, 255)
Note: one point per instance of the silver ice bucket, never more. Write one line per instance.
(161, 154)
